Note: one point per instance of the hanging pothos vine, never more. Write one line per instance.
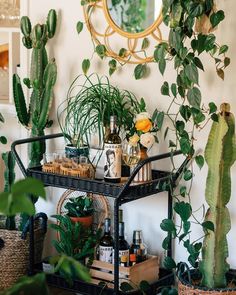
(191, 35)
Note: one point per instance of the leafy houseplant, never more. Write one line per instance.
(88, 110)
(80, 210)
(42, 79)
(75, 240)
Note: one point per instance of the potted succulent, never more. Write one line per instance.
(43, 75)
(87, 111)
(81, 209)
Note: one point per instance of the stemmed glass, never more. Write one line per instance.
(131, 154)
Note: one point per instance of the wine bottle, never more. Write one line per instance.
(106, 243)
(123, 244)
(138, 247)
(113, 153)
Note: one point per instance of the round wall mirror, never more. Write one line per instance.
(134, 16)
(123, 26)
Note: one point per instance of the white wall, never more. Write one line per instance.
(69, 51)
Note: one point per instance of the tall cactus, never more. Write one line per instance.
(220, 155)
(42, 79)
(9, 177)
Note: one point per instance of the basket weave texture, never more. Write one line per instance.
(187, 290)
(14, 256)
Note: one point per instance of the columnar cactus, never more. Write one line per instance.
(220, 154)
(9, 177)
(42, 79)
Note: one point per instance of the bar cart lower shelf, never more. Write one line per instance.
(122, 193)
(166, 279)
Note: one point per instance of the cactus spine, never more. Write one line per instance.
(220, 154)
(9, 177)
(42, 79)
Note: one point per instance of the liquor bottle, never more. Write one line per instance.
(132, 259)
(113, 153)
(124, 261)
(123, 244)
(106, 243)
(138, 247)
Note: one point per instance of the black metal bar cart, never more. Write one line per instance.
(122, 193)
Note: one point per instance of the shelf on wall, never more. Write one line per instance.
(6, 29)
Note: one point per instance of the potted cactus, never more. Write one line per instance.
(213, 275)
(42, 79)
(3, 139)
(81, 210)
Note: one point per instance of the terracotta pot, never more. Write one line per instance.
(145, 173)
(87, 221)
(185, 287)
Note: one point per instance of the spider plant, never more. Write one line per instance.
(88, 107)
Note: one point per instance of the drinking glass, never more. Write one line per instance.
(131, 154)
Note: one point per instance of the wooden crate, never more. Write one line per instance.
(143, 271)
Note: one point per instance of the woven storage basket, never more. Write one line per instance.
(185, 288)
(14, 256)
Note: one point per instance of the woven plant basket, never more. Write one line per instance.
(187, 288)
(14, 256)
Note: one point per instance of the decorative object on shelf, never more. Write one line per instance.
(10, 13)
(15, 244)
(60, 164)
(101, 207)
(142, 136)
(4, 56)
(76, 240)
(147, 270)
(80, 209)
(87, 111)
(42, 79)
(75, 152)
(136, 23)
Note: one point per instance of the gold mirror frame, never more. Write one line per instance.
(133, 54)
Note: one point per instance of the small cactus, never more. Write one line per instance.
(43, 75)
(9, 176)
(220, 155)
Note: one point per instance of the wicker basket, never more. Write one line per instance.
(186, 288)
(14, 256)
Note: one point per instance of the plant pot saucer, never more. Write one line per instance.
(186, 287)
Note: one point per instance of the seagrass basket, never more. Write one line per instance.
(192, 288)
(14, 256)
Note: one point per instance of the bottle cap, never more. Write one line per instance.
(137, 237)
(132, 258)
(124, 259)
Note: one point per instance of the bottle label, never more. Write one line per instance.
(112, 168)
(121, 253)
(105, 254)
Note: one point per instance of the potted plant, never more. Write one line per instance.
(212, 275)
(87, 111)
(81, 209)
(43, 75)
(76, 240)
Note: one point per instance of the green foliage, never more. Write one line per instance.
(9, 178)
(220, 155)
(17, 199)
(88, 110)
(75, 240)
(3, 139)
(26, 285)
(42, 79)
(79, 207)
(70, 268)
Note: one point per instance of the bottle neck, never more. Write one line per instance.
(121, 230)
(107, 227)
(137, 237)
(113, 125)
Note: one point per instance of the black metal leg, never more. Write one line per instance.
(116, 247)
(170, 215)
(31, 247)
